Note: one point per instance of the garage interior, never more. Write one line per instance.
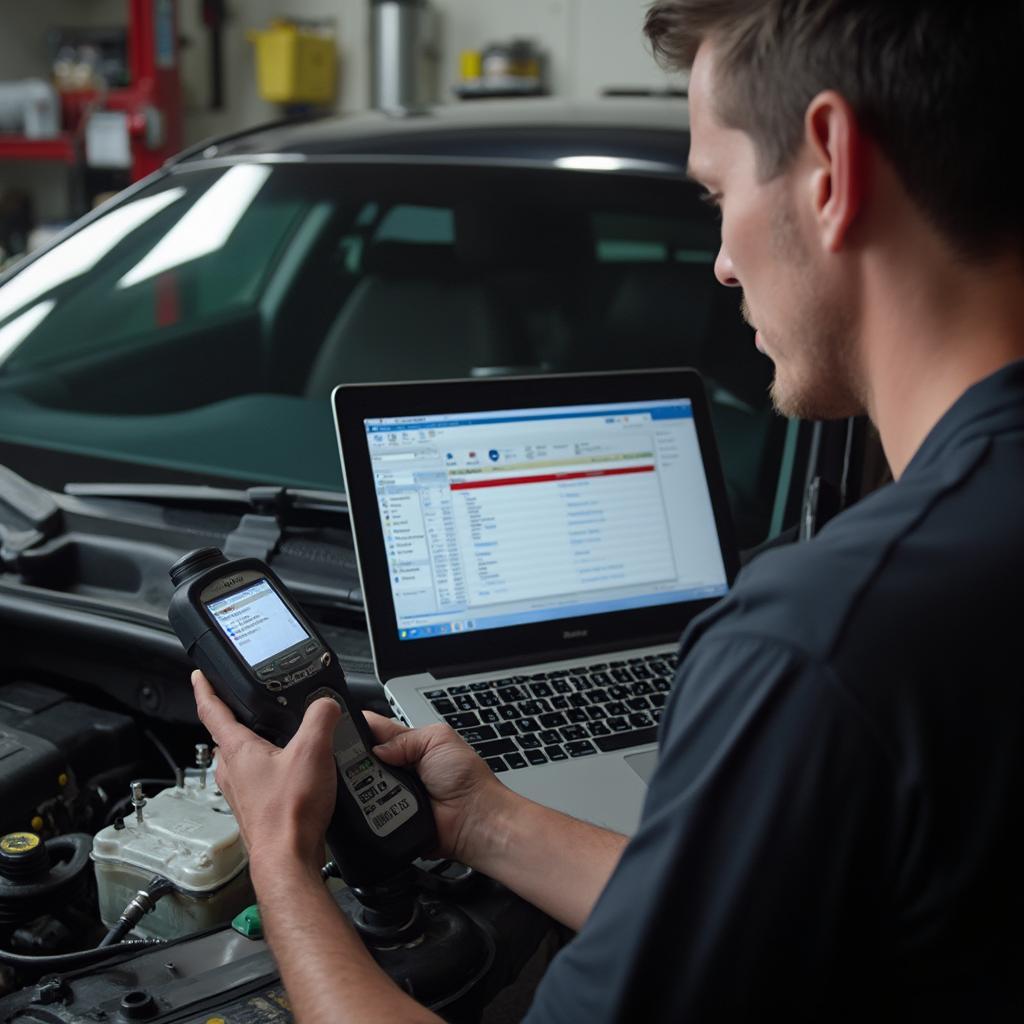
(229, 57)
(510, 511)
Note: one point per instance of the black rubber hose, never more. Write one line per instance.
(25, 897)
(140, 905)
(116, 934)
(70, 960)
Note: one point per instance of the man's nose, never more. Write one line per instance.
(724, 270)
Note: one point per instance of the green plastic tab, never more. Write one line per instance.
(249, 923)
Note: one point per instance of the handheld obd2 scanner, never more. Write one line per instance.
(267, 662)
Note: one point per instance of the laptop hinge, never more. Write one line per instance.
(540, 657)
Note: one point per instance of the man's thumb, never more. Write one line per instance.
(317, 728)
(404, 748)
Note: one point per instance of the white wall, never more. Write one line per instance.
(608, 48)
(591, 44)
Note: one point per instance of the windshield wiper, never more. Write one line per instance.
(266, 512)
(264, 500)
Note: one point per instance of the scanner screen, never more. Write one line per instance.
(257, 622)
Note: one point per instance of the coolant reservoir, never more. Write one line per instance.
(189, 836)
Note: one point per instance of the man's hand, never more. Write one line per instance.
(555, 862)
(463, 790)
(282, 798)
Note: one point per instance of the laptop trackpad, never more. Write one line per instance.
(643, 763)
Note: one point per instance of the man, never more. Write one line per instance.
(834, 828)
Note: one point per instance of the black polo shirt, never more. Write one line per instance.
(834, 828)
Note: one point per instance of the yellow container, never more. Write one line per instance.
(294, 65)
(470, 65)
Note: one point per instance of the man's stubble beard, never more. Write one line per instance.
(820, 379)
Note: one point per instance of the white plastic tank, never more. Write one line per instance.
(190, 837)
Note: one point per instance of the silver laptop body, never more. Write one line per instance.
(528, 562)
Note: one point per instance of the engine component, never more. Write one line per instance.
(38, 878)
(49, 747)
(31, 770)
(202, 762)
(144, 902)
(188, 835)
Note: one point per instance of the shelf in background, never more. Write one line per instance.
(17, 147)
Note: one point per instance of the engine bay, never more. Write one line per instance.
(124, 884)
(93, 808)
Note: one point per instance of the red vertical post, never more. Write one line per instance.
(155, 110)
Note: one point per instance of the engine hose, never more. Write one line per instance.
(140, 905)
(82, 958)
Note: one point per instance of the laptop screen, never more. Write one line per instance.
(526, 515)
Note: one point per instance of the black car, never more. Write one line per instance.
(165, 368)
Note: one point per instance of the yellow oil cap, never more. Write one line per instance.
(15, 843)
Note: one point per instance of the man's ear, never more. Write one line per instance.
(838, 151)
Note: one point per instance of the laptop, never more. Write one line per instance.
(529, 551)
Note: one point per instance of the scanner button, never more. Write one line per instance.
(292, 659)
(311, 648)
(267, 671)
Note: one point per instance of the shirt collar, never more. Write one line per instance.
(990, 406)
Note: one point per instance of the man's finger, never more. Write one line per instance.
(316, 733)
(221, 724)
(383, 728)
(405, 746)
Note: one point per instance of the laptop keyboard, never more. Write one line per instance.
(518, 721)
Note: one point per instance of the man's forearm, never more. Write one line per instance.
(329, 975)
(555, 862)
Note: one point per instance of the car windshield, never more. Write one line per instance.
(200, 325)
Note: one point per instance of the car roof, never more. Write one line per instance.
(646, 134)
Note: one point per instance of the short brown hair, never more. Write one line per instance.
(936, 85)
